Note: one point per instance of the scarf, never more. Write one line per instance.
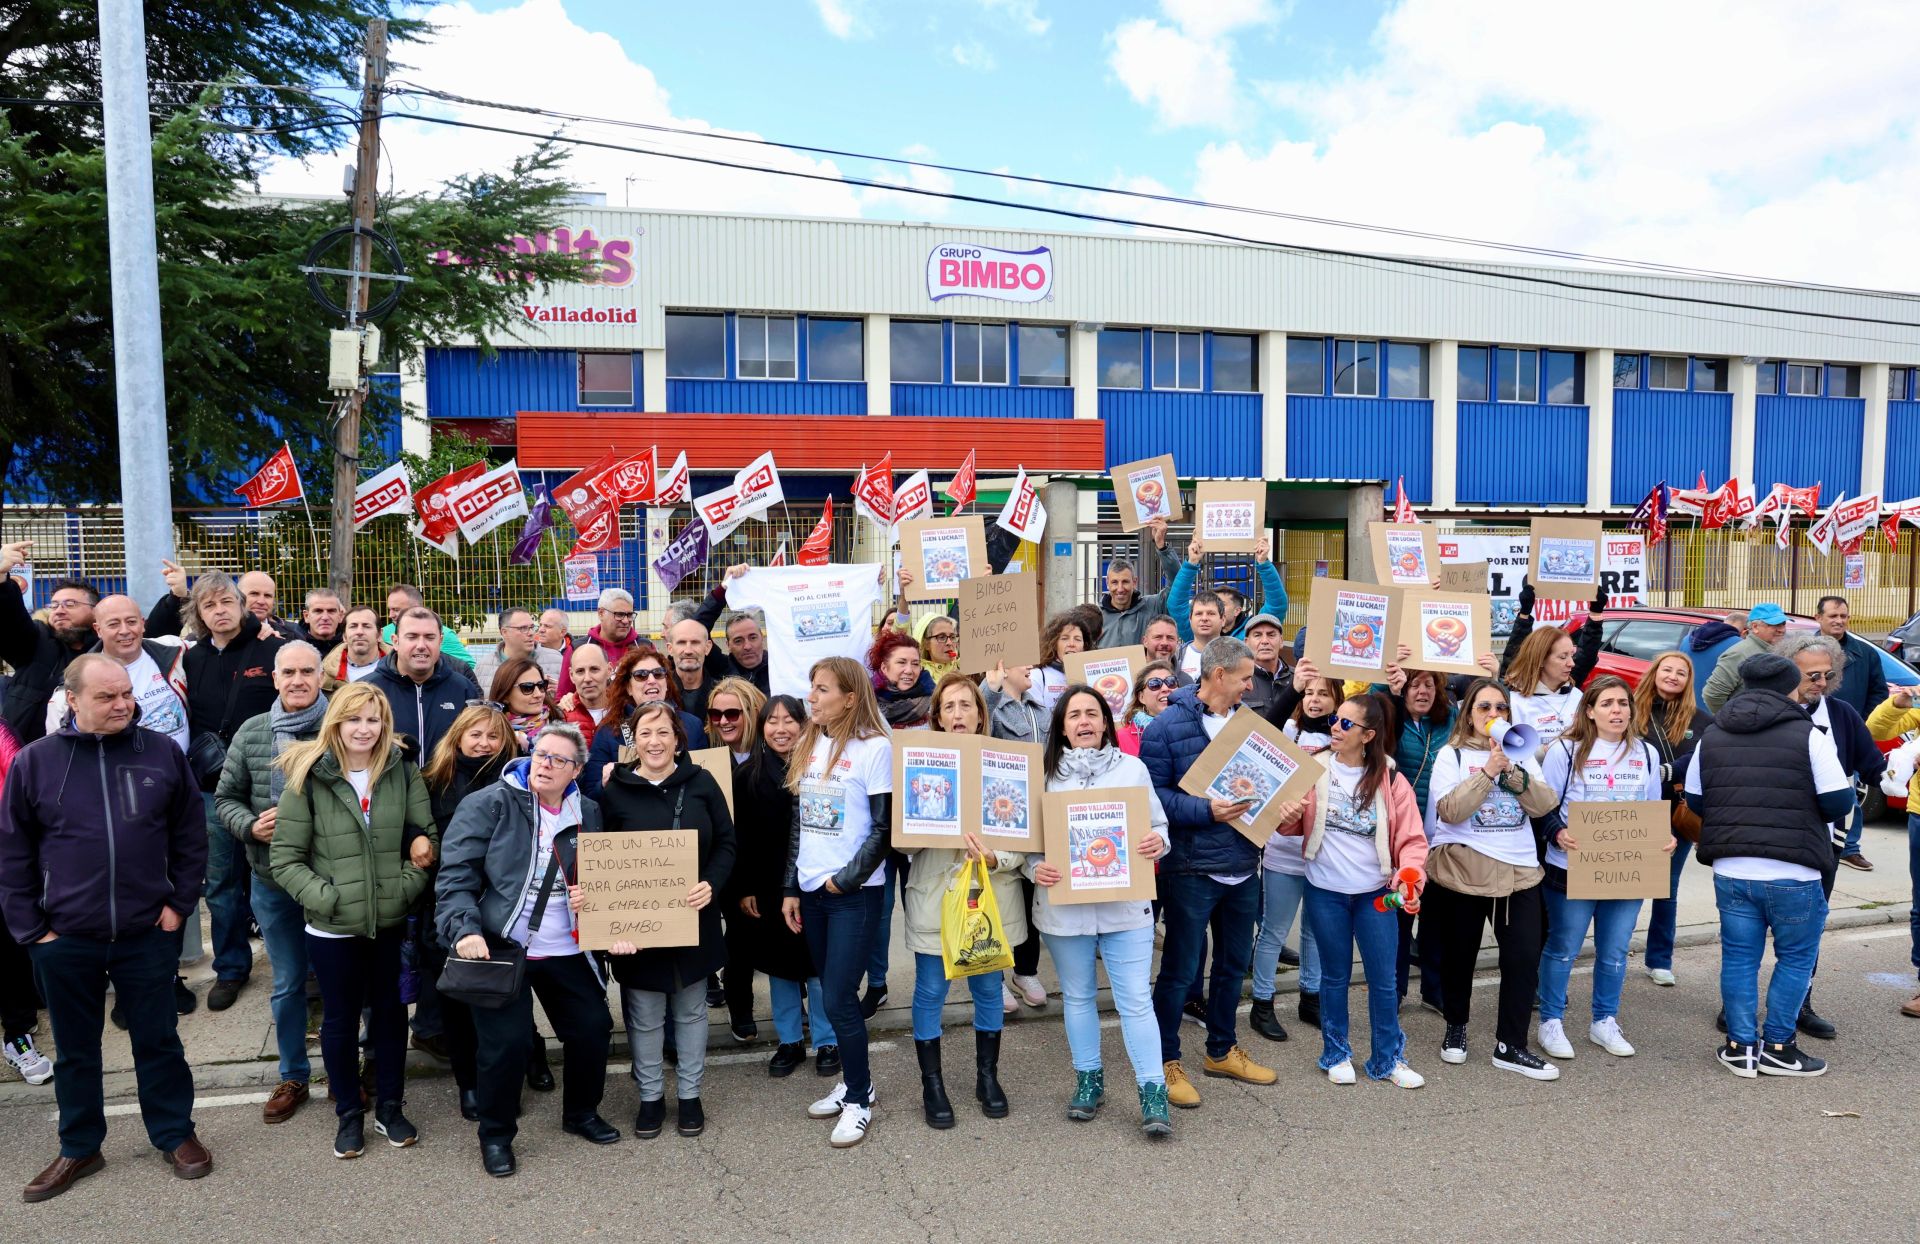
(290, 726)
(1086, 764)
(1141, 720)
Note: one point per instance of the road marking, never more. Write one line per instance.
(1875, 935)
(199, 1103)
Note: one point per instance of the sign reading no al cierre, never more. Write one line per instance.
(955, 268)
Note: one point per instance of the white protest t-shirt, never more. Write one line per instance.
(362, 782)
(1499, 828)
(554, 938)
(160, 706)
(1348, 862)
(812, 612)
(1551, 713)
(1621, 773)
(1190, 661)
(1827, 776)
(356, 672)
(834, 816)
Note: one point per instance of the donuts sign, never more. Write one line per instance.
(1445, 630)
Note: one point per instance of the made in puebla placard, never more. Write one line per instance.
(1621, 849)
(1445, 631)
(1405, 554)
(1566, 558)
(941, 552)
(1229, 516)
(1252, 761)
(634, 886)
(1353, 629)
(1109, 671)
(1093, 839)
(1146, 490)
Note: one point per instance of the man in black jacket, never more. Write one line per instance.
(427, 690)
(39, 651)
(1767, 785)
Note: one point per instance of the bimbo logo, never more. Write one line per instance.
(955, 268)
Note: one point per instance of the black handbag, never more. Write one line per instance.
(493, 982)
(207, 756)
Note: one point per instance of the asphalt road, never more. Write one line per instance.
(1662, 1146)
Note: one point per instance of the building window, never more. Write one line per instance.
(1843, 381)
(1235, 369)
(606, 379)
(696, 346)
(1626, 371)
(1565, 377)
(1803, 380)
(1406, 369)
(1710, 375)
(1356, 368)
(979, 353)
(1766, 378)
(1307, 366)
(1043, 355)
(836, 349)
(1176, 360)
(1120, 359)
(766, 349)
(1519, 374)
(914, 351)
(1473, 374)
(1897, 383)
(1664, 371)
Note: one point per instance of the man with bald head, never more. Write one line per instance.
(688, 642)
(156, 670)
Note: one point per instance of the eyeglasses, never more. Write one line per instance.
(60, 606)
(493, 705)
(647, 675)
(528, 688)
(619, 617)
(724, 714)
(557, 761)
(942, 637)
(1822, 676)
(1158, 684)
(1347, 723)
(528, 629)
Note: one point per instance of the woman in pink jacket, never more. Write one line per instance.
(1362, 827)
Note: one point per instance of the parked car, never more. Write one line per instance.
(1631, 638)
(1903, 641)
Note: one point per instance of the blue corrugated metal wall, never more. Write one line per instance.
(1208, 434)
(1661, 434)
(461, 385)
(983, 401)
(1903, 451)
(1521, 454)
(766, 397)
(1362, 438)
(1798, 441)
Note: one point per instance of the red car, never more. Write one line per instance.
(1631, 638)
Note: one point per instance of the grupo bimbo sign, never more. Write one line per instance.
(955, 268)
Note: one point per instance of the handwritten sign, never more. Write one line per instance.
(634, 888)
(1622, 850)
(999, 621)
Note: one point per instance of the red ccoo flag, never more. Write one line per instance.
(819, 545)
(277, 480)
(1402, 508)
(962, 488)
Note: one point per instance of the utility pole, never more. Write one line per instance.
(139, 377)
(366, 170)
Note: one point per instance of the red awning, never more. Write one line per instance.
(556, 440)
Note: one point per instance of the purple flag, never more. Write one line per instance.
(684, 555)
(538, 520)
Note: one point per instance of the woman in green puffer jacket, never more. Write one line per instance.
(340, 850)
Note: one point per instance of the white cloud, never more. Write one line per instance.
(1183, 68)
(911, 206)
(973, 54)
(1025, 14)
(841, 18)
(1210, 19)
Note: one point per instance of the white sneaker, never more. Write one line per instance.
(1008, 1002)
(1406, 1077)
(1030, 990)
(33, 1066)
(1341, 1072)
(852, 1127)
(1605, 1033)
(1660, 976)
(1553, 1039)
(828, 1107)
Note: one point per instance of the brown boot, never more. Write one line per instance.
(1911, 1008)
(63, 1174)
(288, 1098)
(191, 1160)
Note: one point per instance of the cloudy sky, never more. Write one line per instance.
(1768, 136)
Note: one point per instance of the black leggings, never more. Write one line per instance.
(1457, 921)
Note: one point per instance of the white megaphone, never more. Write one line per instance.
(1515, 740)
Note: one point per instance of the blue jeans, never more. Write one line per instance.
(839, 930)
(1129, 959)
(930, 985)
(1340, 921)
(1191, 903)
(226, 893)
(1567, 920)
(788, 1017)
(1664, 921)
(1854, 827)
(282, 928)
(896, 878)
(1913, 871)
(1280, 899)
(1796, 913)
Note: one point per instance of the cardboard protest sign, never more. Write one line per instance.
(1146, 490)
(999, 621)
(1404, 554)
(1109, 671)
(1093, 838)
(1352, 629)
(1465, 577)
(1623, 574)
(1003, 798)
(1229, 516)
(1622, 850)
(942, 551)
(949, 784)
(634, 888)
(719, 762)
(1445, 630)
(1252, 761)
(928, 776)
(1566, 558)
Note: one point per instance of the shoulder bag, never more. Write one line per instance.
(493, 982)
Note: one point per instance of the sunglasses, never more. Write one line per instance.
(1157, 684)
(724, 714)
(1822, 677)
(646, 675)
(1347, 723)
(528, 688)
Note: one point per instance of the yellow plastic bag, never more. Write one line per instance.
(972, 939)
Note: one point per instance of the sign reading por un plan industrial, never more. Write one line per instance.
(955, 268)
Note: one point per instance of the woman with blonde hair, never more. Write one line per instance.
(1666, 715)
(841, 775)
(733, 713)
(351, 805)
(1544, 667)
(733, 722)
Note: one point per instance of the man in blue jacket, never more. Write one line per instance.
(1182, 596)
(425, 689)
(1209, 876)
(103, 850)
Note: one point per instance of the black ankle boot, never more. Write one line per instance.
(933, 1088)
(986, 1057)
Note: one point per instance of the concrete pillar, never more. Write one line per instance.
(1873, 444)
(879, 352)
(416, 435)
(1599, 429)
(1366, 503)
(1083, 369)
(1742, 375)
(1446, 425)
(1272, 368)
(653, 381)
(1060, 592)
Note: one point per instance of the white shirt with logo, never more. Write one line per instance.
(834, 816)
(1619, 773)
(1348, 861)
(160, 705)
